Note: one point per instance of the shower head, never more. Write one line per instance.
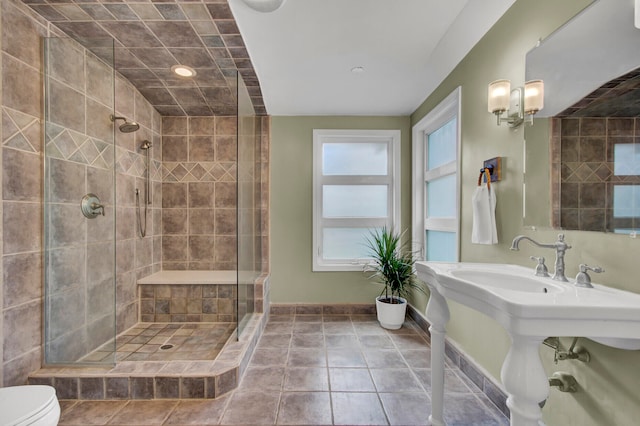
(127, 126)
(146, 144)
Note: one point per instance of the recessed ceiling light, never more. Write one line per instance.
(183, 70)
(357, 70)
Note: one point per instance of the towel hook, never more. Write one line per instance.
(487, 173)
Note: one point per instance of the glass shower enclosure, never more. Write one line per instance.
(248, 203)
(80, 235)
(79, 198)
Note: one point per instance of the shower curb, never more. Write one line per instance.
(158, 380)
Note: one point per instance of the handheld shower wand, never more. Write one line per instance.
(146, 145)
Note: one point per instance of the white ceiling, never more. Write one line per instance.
(303, 52)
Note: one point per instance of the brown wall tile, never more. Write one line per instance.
(175, 148)
(225, 195)
(174, 195)
(21, 224)
(202, 126)
(226, 126)
(172, 126)
(226, 148)
(174, 248)
(21, 278)
(201, 194)
(201, 248)
(21, 174)
(201, 148)
(174, 221)
(21, 88)
(201, 221)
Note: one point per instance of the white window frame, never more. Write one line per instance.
(444, 112)
(392, 179)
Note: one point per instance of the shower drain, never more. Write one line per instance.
(165, 347)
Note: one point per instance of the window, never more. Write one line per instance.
(436, 142)
(356, 188)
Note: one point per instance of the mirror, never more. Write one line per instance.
(581, 147)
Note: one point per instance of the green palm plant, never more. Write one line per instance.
(393, 264)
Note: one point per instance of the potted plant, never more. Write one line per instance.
(393, 266)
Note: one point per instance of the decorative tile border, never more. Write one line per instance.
(66, 144)
(20, 131)
(334, 309)
(204, 171)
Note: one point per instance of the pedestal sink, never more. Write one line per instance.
(531, 309)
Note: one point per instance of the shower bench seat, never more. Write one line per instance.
(188, 296)
(189, 277)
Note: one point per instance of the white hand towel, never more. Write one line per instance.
(484, 230)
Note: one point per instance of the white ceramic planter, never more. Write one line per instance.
(391, 315)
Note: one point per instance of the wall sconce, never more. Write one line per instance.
(518, 104)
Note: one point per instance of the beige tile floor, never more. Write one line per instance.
(316, 370)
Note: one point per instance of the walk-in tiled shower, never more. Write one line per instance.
(106, 226)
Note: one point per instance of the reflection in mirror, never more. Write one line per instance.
(586, 155)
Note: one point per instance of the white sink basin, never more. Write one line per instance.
(531, 309)
(506, 281)
(530, 305)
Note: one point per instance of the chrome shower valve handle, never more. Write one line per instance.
(91, 206)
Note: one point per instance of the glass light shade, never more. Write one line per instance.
(533, 96)
(499, 95)
(264, 6)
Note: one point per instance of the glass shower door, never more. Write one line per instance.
(248, 190)
(79, 202)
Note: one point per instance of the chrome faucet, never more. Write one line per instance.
(559, 246)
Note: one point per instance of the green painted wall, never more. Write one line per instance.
(291, 211)
(609, 385)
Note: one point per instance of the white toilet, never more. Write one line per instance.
(34, 405)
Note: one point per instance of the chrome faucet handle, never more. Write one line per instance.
(97, 206)
(583, 279)
(541, 268)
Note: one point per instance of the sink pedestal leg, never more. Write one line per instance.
(525, 381)
(437, 314)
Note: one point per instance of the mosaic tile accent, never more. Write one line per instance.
(66, 144)
(20, 131)
(199, 172)
(131, 163)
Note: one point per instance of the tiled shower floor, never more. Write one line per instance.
(167, 342)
